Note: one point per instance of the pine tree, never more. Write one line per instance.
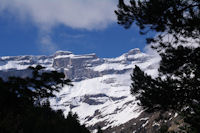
(24, 105)
(177, 87)
(174, 17)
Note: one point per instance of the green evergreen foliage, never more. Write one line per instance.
(175, 17)
(154, 94)
(177, 87)
(24, 107)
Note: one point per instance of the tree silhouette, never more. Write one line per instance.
(24, 105)
(177, 87)
(174, 17)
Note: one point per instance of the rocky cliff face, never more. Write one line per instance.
(100, 94)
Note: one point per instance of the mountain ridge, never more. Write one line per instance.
(100, 95)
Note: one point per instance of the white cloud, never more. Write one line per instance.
(46, 14)
(81, 14)
(46, 44)
(150, 51)
(193, 43)
(169, 38)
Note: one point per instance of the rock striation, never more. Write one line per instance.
(100, 94)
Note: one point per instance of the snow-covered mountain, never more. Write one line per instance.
(101, 91)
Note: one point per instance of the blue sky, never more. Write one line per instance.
(35, 28)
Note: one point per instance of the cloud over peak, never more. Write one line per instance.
(79, 14)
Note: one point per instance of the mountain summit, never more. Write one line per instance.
(101, 91)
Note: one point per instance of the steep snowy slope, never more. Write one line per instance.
(101, 91)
